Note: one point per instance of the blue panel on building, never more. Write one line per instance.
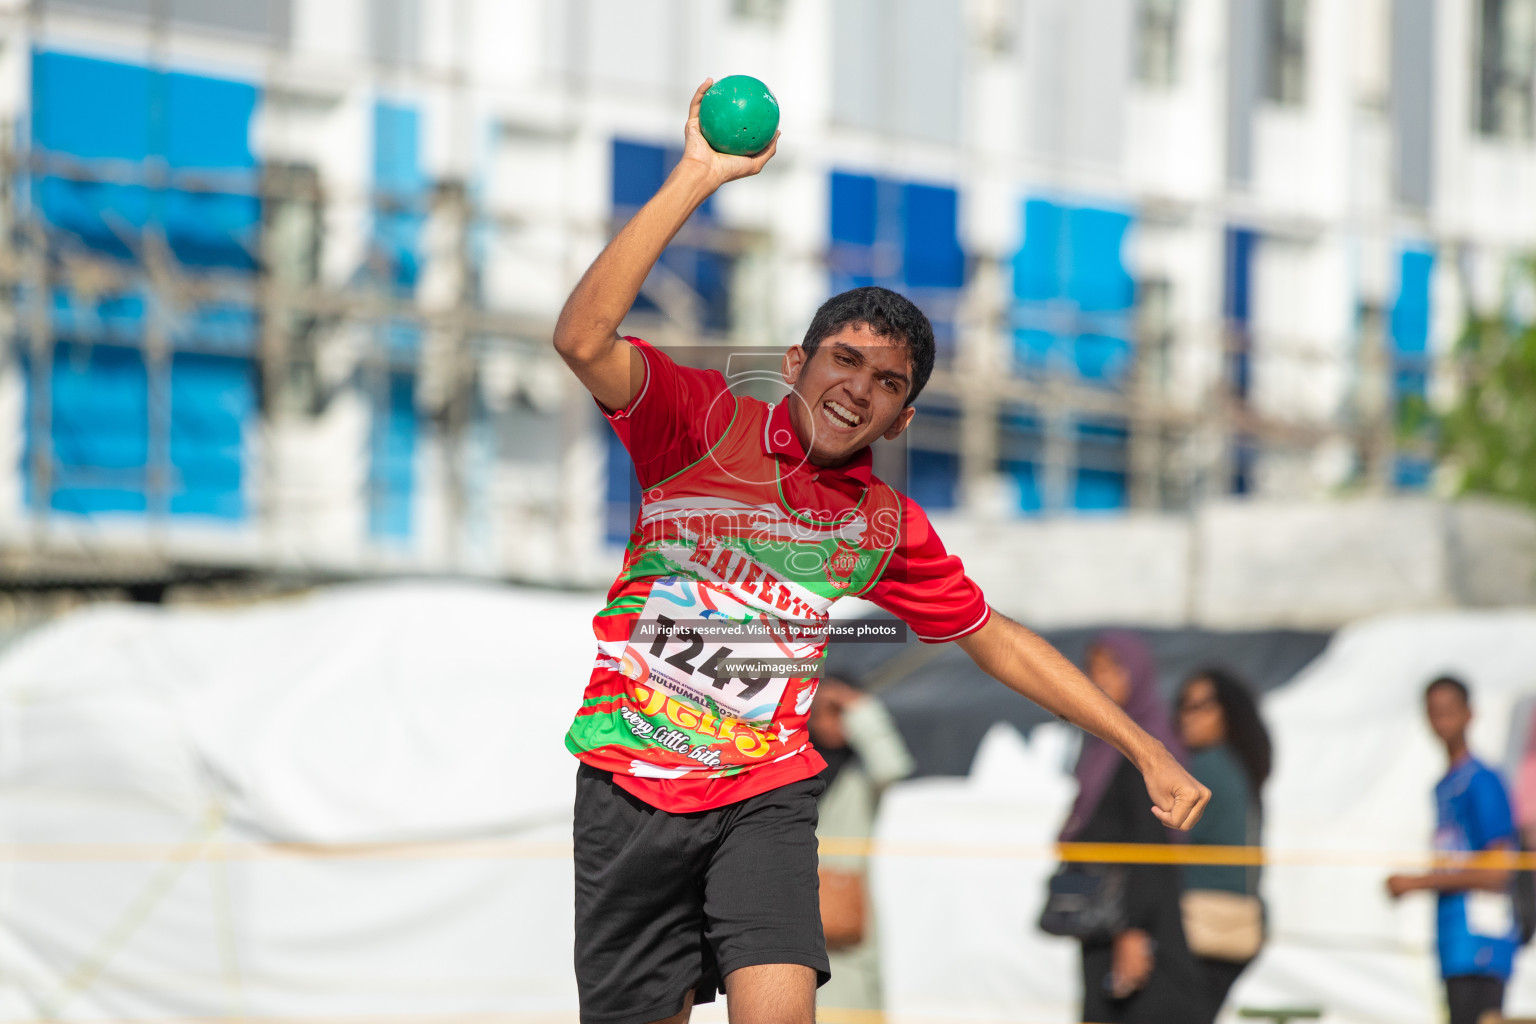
(1072, 292)
(933, 478)
(111, 318)
(1237, 306)
(1101, 357)
(1036, 349)
(86, 109)
(855, 208)
(208, 122)
(930, 248)
(1021, 423)
(106, 218)
(1410, 351)
(709, 274)
(900, 235)
(1037, 265)
(98, 430)
(1025, 474)
(896, 234)
(1099, 490)
(639, 169)
(397, 150)
(211, 229)
(856, 258)
(213, 397)
(229, 328)
(1411, 473)
(1021, 436)
(1101, 479)
(91, 108)
(400, 214)
(1410, 310)
(1097, 280)
(1237, 279)
(392, 463)
(397, 236)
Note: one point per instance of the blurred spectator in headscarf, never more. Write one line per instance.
(1230, 752)
(864, 753)
(1145, 974)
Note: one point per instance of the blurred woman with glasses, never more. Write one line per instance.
(1230, 752)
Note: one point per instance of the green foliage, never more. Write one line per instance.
(1490, 435)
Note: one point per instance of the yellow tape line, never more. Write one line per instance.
(1182, 853)
(517, 849)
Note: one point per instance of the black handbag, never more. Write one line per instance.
(1086, 901)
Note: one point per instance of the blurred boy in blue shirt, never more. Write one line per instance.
(1477, 931)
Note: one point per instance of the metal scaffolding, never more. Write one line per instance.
(516, 448)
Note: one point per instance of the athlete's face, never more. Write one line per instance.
(1448, 715)
(852, 390)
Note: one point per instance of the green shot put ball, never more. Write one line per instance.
(738, 115)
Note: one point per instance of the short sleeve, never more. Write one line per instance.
(1490, 817)
(926, 587)
(678, 413)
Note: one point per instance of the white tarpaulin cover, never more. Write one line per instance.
(1355, 769)
(356, 715)
(157, 768)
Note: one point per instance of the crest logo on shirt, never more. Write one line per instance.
(842, 564)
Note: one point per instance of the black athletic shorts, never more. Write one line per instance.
(671, 902)
(1469, 996)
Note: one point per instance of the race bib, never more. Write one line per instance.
(692, 640)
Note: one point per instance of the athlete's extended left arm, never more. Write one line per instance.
(1026, 663)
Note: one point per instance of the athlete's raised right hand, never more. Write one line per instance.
(586, 335)
(720, 167)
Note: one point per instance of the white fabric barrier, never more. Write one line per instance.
(1356, 766)
(436, 712)
(363, 714)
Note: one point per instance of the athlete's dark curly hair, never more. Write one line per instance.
(1246, 733)
(887, 314)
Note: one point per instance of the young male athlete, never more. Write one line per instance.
(1476, 930)
(695, 809)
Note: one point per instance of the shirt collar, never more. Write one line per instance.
(779, 439)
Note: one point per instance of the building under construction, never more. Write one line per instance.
(280, 275)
